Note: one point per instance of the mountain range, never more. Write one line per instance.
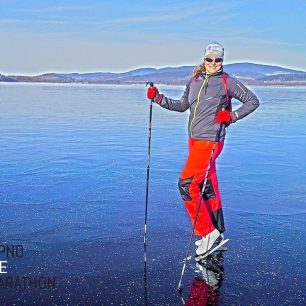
(248, 73)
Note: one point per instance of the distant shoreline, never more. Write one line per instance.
(247, 73)
(264, 84)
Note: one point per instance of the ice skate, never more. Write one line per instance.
(207, 242)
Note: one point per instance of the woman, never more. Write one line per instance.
(207, 95)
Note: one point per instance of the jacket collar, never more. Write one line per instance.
(207, 75)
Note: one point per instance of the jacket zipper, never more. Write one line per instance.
(198, 101)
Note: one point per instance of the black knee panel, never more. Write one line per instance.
(184, 185)
(209, 192)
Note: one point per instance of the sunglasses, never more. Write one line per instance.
(216, 60)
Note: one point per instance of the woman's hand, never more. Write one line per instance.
(152, 92)
(224, 116)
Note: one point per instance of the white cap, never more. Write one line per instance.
(214, 48)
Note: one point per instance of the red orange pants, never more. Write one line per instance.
(191, 182)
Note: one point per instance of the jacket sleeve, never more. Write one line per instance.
(238, 91)
(174, 105)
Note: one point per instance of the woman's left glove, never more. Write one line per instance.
(224, 116)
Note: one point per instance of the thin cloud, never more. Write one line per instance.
(268, 42)
(34, 21)
(182, 13)
(11, 21)
(55, 9)
(216, 13)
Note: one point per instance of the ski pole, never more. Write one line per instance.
(148, 176)
(147, 200)
(179, 287)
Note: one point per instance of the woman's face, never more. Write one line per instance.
(213, 63)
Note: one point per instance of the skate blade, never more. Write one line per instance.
(216, 248)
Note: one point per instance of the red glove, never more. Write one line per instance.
(152, 92)
(224, 116)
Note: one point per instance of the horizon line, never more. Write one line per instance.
(138, 68)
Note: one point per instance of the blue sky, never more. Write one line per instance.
(86, 36)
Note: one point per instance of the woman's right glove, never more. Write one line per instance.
(153, 94)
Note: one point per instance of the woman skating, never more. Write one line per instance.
(207, 95)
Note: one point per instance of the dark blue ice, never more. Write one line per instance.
(72, 193)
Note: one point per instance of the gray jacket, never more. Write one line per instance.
(204, 96)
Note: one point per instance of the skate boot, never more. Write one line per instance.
(218, 240)
(207, 242)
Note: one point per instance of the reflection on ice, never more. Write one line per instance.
(72, 193)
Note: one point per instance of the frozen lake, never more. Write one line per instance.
(72, 194)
